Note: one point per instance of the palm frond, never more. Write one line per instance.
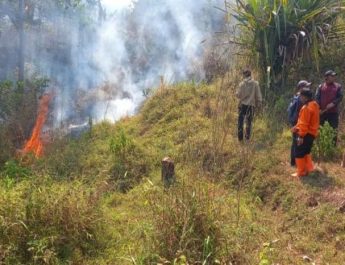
(284, 31)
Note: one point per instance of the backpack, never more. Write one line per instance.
(293, 110)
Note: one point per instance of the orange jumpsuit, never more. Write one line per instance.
(307, 128)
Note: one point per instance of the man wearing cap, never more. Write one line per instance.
(249, 95)
(293, 111)
(306, 129)
(329, 96)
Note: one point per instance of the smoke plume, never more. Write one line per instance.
(100, 61)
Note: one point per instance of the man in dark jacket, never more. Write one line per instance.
(329, 96)
(293, 111)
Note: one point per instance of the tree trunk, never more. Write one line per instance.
(168, 172)
(21, 60)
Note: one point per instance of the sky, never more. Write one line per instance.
(112, 5)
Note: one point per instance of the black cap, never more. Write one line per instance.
(247, 72)
(303, 83)
(306, 92)
(330, 73)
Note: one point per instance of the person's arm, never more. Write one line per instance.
(303, 122)
(339, 96)
(318, 95)
(258, 94)
(337, 100)
(239, 91)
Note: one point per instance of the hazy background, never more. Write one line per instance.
(100, 58)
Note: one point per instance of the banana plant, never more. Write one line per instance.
(284, 31)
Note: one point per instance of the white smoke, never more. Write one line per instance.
(164, 39)
(102, 70)
(115, 5)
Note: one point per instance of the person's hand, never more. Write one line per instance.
(259, 107)
(330, 105)
(299, 140)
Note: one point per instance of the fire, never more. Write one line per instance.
(35, 144)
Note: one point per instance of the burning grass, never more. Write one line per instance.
(35, 144)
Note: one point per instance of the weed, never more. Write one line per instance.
(325, 148)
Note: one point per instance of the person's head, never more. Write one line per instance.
(246, 73)
(302, 84)
(306, 95)
(330, 76)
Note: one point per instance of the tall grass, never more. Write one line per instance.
(44, 223)
(187, 224)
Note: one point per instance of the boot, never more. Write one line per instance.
(309, 164)
(301, 168)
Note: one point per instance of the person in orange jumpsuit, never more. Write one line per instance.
(306, 129)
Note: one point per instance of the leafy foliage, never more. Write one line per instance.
(325, 148)
(282, 32)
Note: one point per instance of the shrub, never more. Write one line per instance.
(15, 171)
(325, 148)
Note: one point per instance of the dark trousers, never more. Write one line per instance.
(245, 114)
(293, 149)
(333, 120)
(305, 148)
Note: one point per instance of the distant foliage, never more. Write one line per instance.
(282, 32)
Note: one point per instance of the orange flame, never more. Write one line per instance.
(35, 144)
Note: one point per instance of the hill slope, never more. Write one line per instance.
(99, 199)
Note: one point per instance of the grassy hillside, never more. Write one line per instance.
(100, 200)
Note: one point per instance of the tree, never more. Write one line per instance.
(21, 12)
(282, 31)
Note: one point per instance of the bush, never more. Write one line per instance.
(325, 148)
(15, 171)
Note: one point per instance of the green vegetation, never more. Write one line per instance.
(325, 148)
(284, 32)
(99, 199)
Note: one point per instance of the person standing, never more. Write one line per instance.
(329, 96)
(306, 129)
(249, 95)
(293, 111)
